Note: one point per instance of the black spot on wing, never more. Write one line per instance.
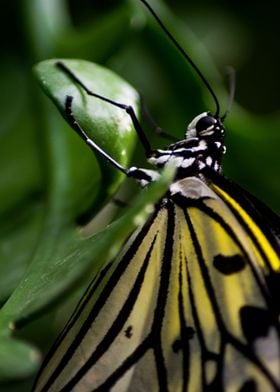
(179, 344)
(190, 332)
(228, 265)
(249, 386)
(255, 322)
(128, 332)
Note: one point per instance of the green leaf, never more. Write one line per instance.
(18, 235)
(18, 360)
(108, 126)
(21, 177)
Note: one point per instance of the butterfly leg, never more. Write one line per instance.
(128, 108)
(137, 173)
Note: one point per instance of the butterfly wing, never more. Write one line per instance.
(230, 264)
(108, 339)
(262, 225)
(186, 306)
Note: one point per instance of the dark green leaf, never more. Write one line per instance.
(18, 360)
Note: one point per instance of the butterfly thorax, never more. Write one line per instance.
(203, 146)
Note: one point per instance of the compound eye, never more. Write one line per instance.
(206, 123)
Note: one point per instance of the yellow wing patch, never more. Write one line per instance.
(270, 253)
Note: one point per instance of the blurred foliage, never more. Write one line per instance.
(49, 177)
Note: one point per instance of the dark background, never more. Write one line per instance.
(242, 34)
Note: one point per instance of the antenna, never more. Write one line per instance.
(185, 55)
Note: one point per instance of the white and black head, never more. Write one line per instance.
(206, 126)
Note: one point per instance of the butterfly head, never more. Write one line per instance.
(205, 126)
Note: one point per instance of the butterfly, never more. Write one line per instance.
(191, 303)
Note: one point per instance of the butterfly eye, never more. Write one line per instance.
(205, 124)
